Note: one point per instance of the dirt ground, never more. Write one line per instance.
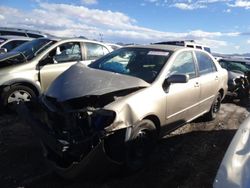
(189, 157)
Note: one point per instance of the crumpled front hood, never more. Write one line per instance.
(80, 80)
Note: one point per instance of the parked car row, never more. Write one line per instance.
(28, 70)
(238, 77)
(106, 105)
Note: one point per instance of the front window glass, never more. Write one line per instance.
(184, 64)
(68, 52)
(95, 51)
(138, 62)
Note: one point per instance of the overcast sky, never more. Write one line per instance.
(222, 24)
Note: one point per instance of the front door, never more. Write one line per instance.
(57, 61)
(182, 99)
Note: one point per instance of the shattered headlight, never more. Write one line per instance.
(231, 82)
(103, 118)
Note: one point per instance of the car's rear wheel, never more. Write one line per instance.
(215, 108)
(17, 94)
(140, 145)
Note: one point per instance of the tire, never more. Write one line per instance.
(215, 108)
(16, 94)
(140, 145)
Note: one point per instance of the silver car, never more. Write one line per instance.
(115, 108)
(28, 70)
(234, 169)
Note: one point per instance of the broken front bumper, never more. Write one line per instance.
(56, 151)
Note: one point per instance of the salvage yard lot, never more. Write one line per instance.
(189, 157)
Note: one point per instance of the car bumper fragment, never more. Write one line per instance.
(94, 163)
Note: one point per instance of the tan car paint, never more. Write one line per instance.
(182, 103)
(169, 107)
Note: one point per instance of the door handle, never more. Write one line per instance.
(196, 84)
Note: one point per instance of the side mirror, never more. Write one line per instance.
(175, 78)
(46, 60)
(3, 50)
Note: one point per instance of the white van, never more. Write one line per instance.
(187, 43)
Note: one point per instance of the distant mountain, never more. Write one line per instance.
(245, 55)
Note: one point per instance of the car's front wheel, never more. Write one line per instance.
(17, 94)
(140, 145)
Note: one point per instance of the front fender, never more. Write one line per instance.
(35, 85)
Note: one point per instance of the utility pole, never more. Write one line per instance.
(101, 37)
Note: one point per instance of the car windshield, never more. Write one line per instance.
(234, 66)
(248, 66)
(34, 47)
(143, 63)
(207, 49)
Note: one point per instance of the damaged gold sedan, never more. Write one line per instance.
(114, 109)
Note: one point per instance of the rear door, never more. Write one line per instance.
(58, 60)
(209, 79)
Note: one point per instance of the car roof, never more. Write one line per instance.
(159, 47)
(23, 30)
(187, 42)
(76, 39)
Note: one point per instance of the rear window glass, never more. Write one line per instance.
(34, 35)
(207, 49)
(205, 63)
